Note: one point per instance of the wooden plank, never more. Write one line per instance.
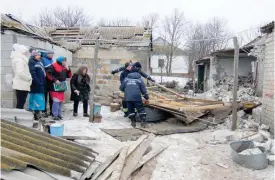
(146, 171)
(149, 156)
(135, 157)
(105, 165)
(136, 144)
(78, 138)
(107, 173)
(119, 164)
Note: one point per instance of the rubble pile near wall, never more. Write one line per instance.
(228, 81)
(221, 93)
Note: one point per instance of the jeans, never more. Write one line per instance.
(132, 105)
(85, 106)
(56, 109)
(21, 97)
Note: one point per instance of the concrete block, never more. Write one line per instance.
(115, 61)
(7, 103)
(7, 46)
(115, 107)
(108, 77)
(7, 95)
(6, 62)
(101, 82)
(257, 137)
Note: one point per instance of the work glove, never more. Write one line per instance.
(146, 96)
(113, 72)
(76, 92)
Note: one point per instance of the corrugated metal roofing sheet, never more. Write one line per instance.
(126, 35)
(10, 22)
(22, 146)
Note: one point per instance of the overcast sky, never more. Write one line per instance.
(241, 14)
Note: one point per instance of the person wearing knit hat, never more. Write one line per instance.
(37, 70)
(22, 78)
(57, 73)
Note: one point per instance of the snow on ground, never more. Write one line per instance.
(182, 81)
(189, 156)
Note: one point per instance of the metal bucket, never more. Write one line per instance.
(257, 161)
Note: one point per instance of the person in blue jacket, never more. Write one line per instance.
(47, 60)
(37, 70)
(133, 86)
(128, 68)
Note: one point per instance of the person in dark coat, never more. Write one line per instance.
(57, 73)
(136, 67)
(37, 70)
(133, 86)
(128, 68)
(47, 60)
(80, 90)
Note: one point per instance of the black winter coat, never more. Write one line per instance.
(80, 83)
(56, 72)
(133, 86)
(38, 76)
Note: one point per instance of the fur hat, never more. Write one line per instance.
(15, 47)
(21, 48)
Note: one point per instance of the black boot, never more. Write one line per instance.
(133, 121)
(143, 122)
(86, 115)
(74, 114)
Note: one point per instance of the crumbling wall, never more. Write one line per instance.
(7, 40)
(109, 59)
(268, 82)
(222, 71)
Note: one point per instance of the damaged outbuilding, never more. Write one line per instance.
(217, 69)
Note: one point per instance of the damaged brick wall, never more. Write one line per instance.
(109, 59)
(268, 82)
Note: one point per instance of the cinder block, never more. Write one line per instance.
(6, 62)
(108, 77)
(115, 61)
(7, 103)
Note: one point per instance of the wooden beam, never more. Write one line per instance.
(78, 138)
(235, 86)
(119, 164)
(105, 165)
(134, 158)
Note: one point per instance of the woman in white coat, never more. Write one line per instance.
(22, 79)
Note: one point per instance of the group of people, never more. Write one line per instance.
(134, 88)
(39, 76)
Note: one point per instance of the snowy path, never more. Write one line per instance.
(188, 157)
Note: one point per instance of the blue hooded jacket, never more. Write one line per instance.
(133, 86)
(45, 60)
(38, 74)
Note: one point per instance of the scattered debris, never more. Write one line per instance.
(257, 137)
(128, 160)
(270, 159)
(115, 107)
(222, 165)
(253, 151)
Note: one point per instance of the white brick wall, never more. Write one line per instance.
(268, 82)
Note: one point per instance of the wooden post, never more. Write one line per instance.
(161, 76)
(94, 64)
(235, 88)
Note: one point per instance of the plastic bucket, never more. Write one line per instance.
(57, 129)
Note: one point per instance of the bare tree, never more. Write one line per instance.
(172, 32)
(150, 21)
(202, 39)
(63, 17)
(114, 22)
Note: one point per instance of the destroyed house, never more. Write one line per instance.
(14, 30)
(263, 50)
(27, 153)
(217, 69)
(117, 45)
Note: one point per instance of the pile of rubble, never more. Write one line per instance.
(222, 93)
(249, 128)
(244, 81)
